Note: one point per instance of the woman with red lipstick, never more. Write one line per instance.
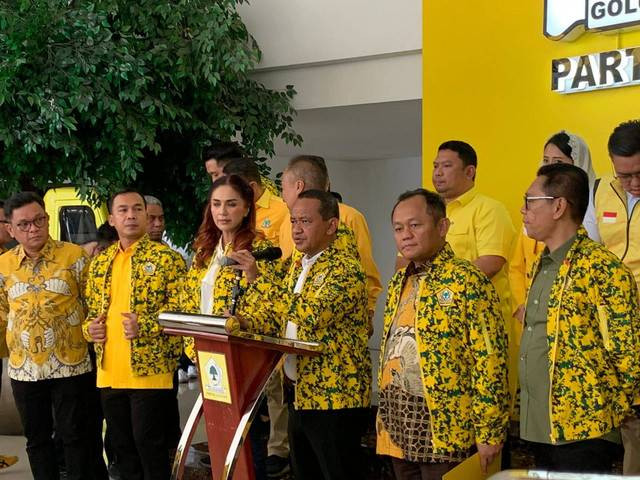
(228, 229)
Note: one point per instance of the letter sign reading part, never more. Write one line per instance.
(612, 69)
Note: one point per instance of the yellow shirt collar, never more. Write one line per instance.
(265, 199)
(46, 252)
(130, 249)
(466, 197)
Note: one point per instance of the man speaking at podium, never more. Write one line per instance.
(324, 300)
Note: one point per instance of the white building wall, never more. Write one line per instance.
(339, 53)
(357, 68)
(310, 31)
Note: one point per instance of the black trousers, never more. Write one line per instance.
(173, 417)
(406, 470)
(136, 422)
(589, 456)
(67, 400)
(325, 444)
(94, 427)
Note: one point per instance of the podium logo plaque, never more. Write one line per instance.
(214, 377)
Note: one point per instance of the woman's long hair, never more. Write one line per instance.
(209, 234)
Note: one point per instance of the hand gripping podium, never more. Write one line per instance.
(233, 370)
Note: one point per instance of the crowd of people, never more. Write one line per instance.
(484, 326)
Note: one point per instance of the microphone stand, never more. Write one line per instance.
(235, 293)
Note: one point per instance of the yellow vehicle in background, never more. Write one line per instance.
(72, 219)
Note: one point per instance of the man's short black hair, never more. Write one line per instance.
(337, 196)
(433, 202)
(570, 182)
(19, 200)
(221, 151)
(328, 203)
(122, 192)
(625, 139)
(311, 169)
(245, 168)
(465, 151)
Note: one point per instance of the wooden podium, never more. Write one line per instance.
(233, 371)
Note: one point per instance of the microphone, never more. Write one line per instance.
(268, 254)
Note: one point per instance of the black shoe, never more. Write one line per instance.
(277, 466)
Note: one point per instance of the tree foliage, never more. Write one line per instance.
(112, 93)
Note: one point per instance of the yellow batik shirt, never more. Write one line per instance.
(268, 281)
(4, 351)
(462, 347)
(115, 369)
(593, 322)
(157, 273)
(331, 309)
(42, 310)
(352, 220)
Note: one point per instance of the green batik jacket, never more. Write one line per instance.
(594, 350)
(156, 277)
(332, 310)
(269, 280)
(462, 346)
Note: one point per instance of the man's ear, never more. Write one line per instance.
(110, 220)
(560, 207)
(470, 172)
(9, 228)
(443, 227)
(299, 186)
(332, 227)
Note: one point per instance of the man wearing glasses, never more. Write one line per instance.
(579, 364)
(41, 309)
(613, 219)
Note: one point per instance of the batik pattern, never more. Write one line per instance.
(463, 352)
(157, 273)
(268, 280)
(331, 310)
(41, 310)
(594, 351)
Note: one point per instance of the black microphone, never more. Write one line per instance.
(269, 254)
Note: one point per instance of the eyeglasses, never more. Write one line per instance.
(530, 199)
(627, 177)
(38, 222)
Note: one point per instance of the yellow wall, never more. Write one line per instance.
(487, 81)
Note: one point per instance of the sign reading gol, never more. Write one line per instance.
(567, 19)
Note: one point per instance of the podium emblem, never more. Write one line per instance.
(214, 377)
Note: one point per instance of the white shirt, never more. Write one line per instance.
(291, 361)
(209, 281)
(591, 222)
